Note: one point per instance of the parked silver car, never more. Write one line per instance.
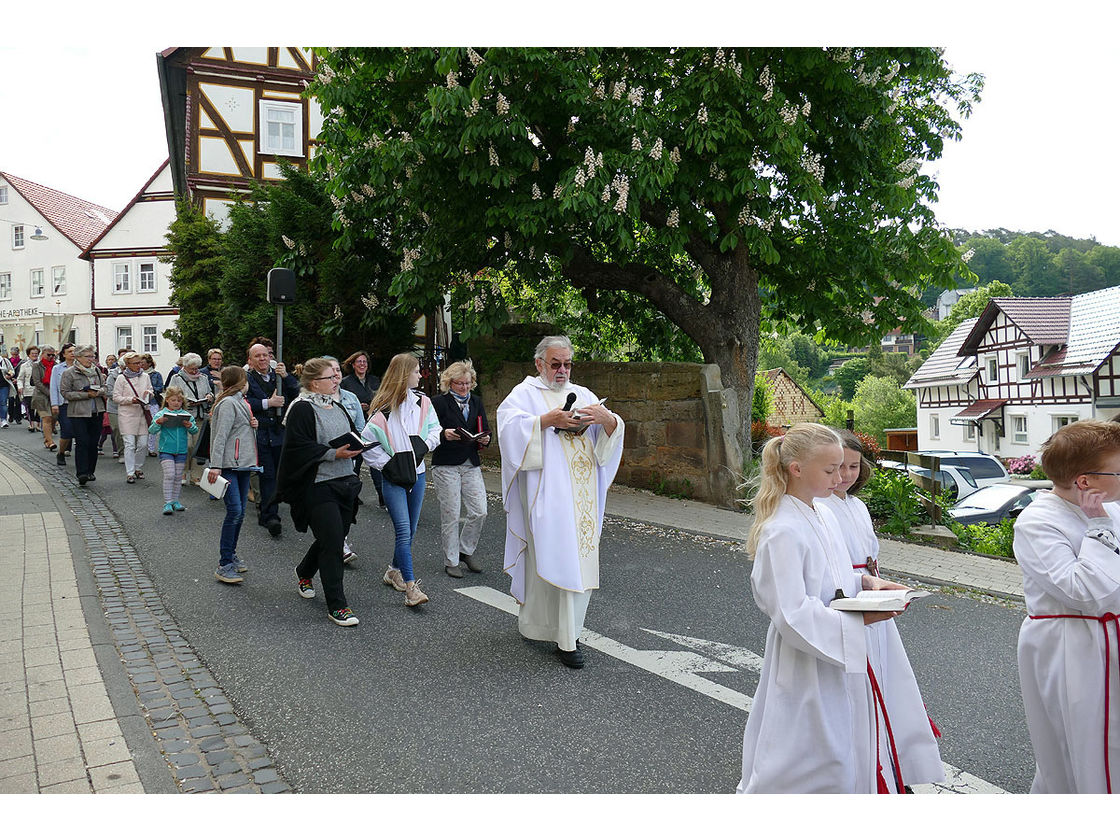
(992, 504)
(985, 469)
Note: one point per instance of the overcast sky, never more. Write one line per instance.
(1037, 154)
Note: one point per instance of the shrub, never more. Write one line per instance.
(1038, 474)
(1023, 465)
(893, 498)
(870, 446)
(762, 432)
(986, 539)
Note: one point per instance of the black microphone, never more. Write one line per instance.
(567, 407)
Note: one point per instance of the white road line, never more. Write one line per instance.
(682, 667)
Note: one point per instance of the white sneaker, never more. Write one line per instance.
(4, 425)
(348, 555)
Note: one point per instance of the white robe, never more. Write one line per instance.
(1070, 566)
(554, 490)
(913, 736)
(812, 728)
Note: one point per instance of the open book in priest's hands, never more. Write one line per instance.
(879, 600)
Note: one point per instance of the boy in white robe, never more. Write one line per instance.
(1067, 547)
(560, 451)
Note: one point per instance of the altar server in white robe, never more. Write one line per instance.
(910, 725)
(1067, 543)
(557, 464)
(812, 726)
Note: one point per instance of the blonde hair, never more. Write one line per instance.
(394, 384)
(233, 378)
(457, 370)
(798, 444)
(311, 370)
(174, 391)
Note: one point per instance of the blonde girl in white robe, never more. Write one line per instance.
(812, 727)
(910, 730)
(1067, 543)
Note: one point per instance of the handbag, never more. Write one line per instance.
(401, 468)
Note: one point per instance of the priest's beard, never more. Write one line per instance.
(554, 385)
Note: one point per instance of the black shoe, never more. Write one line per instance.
(60, 460)
(91, 477)
(82, 479)
(274, 527)
(571, 658)
(454, 571)
(472, 564)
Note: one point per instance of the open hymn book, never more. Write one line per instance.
(879, 600)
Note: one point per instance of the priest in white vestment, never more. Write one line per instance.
(560, 449)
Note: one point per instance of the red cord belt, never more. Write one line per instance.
(1104, 621)
(897, 765)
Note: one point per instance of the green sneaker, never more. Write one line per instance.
(168, 508)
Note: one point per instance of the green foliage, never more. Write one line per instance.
(1038, 474)
(835, 409)
(986, 539)
(762, 404)
(850, 374)
(893, 498)
(879, 404)
(197, 261)
(674, 488)
(708, 190)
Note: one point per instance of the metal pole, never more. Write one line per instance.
(279, 332)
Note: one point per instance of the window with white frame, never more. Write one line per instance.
(281, 128)
(149, 339)
(5, 286)
(970, 431)
(993, 369)
(1064, 420)
(1019, 428)
(1023, 363)
(58, 280)
(122, 282)
(124, 336)
(37, 286)
(146, 277)
(934, 427)
(3, 195)
(17, 236)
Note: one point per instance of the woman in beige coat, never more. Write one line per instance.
(131, 393)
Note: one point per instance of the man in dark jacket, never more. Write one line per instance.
(269, 395)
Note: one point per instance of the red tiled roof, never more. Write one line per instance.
(1044, 320)
(979, 409)
(78, 220)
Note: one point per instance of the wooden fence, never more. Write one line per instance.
(929, 488)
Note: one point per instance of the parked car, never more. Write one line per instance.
(992, 504)
(985, 469)
(958, 480)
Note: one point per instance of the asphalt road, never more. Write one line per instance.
(449, 698)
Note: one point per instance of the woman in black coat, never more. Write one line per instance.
(457, 468)
(318, 481)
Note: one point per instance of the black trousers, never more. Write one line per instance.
(269, 458)
(330, 512)
(87, 432)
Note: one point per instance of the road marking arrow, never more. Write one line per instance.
(683, 667)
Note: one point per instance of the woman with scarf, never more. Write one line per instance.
(83, 387)
(197, 388)
(41, 398)
(132, 392)
(317, 480)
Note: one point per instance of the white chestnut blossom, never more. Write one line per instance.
(493, 156)
(968, 255)
(452, 80)
(557, 191)
(909, 165)
(766, 82)
(655, 151)
(288, 243)
(508, 241)
(502, 106)
(702, 115)
(744, 217)
(368, 190)
(907, 182)
(635, 96)
(536, 193)
(674, 218)
(788, 113)
(806, 108)
(536, 165)
(370, 302)
(605, 196)
(600, 91)
(811, 163)
(635, 143)
(675, 155)
(473, 109)
(473, 57)
(410, 254)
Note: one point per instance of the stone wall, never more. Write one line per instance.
(677, 417)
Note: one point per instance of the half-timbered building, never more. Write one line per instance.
(1002, 383)
(231, 114)
(131, 289)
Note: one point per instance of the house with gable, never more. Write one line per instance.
(45, 286)
(1004, 382)
(131, 290)
(790, 402)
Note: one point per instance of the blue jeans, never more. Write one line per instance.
(5, 392)
(404, 509)
(237, 494)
